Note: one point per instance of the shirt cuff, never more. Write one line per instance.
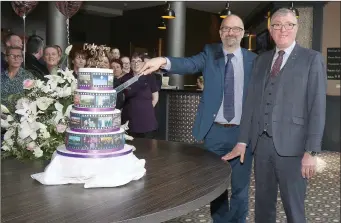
(167, 67)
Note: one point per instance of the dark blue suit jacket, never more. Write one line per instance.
(211, 62)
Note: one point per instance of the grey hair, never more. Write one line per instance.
(283, 12)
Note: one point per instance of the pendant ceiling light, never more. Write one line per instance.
(169, 13)
(294, 10)
(162, 25)
(226, 11)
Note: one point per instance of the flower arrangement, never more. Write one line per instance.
(37, 127)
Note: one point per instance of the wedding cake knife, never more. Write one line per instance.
(127, 83)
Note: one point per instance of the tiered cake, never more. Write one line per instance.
(95, 150)
(94, 122)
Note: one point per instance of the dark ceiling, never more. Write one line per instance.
(117, 8)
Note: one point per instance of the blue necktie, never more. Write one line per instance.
(229, 89)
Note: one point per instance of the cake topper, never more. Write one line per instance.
(96, 54)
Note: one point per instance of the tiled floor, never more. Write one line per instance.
(322, 202)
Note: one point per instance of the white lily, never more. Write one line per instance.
(38, 152)
(64, 92)
(4, 109)
(5, 147)
(46, 88)
(44, 102)
(73, 85)
(39, 83)
(52, 84)
(29, 129)
(5, 122)
(10, 142)
(68, 49)
(29, 112)
(9, 133)
(68, 75)
(128, 137)
(55, 78)
(20, 103)
(59, 113)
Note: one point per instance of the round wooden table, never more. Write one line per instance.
(180, 178)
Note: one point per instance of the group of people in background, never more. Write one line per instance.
(136, 102)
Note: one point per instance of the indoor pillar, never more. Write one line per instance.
(176, 31)
(55, 27)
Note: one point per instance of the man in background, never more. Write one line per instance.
(34, 53)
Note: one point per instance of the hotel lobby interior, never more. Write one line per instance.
(135, 27)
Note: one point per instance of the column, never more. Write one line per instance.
(55, 27)
(176, 31)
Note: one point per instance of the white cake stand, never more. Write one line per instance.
(93, 170)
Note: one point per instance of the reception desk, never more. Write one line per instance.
(175, 113)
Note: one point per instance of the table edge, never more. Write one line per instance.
(182, 209)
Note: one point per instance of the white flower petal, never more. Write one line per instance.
(4, 109)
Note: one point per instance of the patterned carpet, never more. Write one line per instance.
(322, 202)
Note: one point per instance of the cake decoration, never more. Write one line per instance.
(95, 122)
(89, 100)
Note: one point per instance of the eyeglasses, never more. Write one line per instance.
(12, 56)
(136, 62)
(234, 29)
(288, 26)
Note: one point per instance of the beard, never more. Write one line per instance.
(230, 41)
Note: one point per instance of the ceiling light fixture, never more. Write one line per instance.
(294, 10)
(169, 13)
(225, 12)
(162, 25)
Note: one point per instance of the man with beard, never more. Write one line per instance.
(226, 69)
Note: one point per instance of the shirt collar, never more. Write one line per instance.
(287, 50)
(237, 53)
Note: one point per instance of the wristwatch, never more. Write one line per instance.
(312, 153)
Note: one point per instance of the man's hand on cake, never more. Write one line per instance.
(153, 65)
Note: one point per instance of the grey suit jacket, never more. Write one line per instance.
(298, 116)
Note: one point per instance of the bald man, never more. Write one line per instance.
(226, 68)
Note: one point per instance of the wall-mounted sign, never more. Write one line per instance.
(333, 63)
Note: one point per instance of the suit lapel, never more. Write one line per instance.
(290, 62)
(247, 67)
(219, 60)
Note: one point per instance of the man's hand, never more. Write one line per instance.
(238, 150)
(152, 65)
(308, 166)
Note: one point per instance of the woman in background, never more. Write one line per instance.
(13, 77)
(77, 58)
(140, 100)
(51, 57)
(116, 66)
(126, 65)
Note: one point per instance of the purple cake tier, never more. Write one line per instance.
(95, 100)
(95, 79)
(95, 122)
(61, 150)
(94, 142)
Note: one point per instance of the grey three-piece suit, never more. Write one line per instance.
(283, 117)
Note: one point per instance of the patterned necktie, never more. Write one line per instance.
(229, 89)
(278, 63)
